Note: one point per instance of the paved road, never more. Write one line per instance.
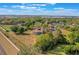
(2, 52)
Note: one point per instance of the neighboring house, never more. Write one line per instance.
(38, 31)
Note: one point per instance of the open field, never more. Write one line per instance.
(27, 38)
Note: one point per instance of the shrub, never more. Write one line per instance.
(59, 36)
(72, 50)
(18, 29)
(14, 28)
(45, 42)
(71, 38)
(7, 30)
(21, 30)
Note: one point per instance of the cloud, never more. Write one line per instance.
(61, 12)
(39, 4)
(43, 4)
(18, 6)
(5, 9)
(58, 8)
(65, 9)
(52, 3)
(38, 10)
(30, 8)
(23, 7)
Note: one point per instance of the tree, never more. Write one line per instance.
(71, 38)
(60, 37)
(18, 29)
(45, 27)
(45, 42)
(21, 30)
(73, 49)
(14, 28)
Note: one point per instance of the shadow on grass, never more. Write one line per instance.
(22, 33)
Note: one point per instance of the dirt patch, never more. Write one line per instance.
(26, 39)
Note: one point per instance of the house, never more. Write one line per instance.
(38, 30)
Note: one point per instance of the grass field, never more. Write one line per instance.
(26, 38)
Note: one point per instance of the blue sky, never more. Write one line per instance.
(56, 9)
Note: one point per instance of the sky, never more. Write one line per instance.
(55, 9)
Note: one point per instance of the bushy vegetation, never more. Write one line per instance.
(45, 42)
(18, 29)
(55, 32)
